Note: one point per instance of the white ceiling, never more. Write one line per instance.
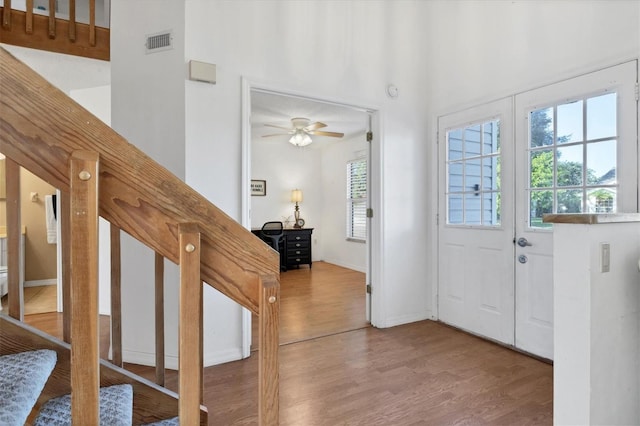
(277, 109)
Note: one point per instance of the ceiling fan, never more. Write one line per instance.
(302, 129)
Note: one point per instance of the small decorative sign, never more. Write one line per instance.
(258, 187)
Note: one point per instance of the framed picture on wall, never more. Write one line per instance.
(258, 188)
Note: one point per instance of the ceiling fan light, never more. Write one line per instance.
(300, 139)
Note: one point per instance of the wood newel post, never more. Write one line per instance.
(85, 354)
(116, 295)
(268, 369)
(14, 233)
(190, 358)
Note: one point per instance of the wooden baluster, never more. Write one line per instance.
(116, 297)
(85, 354)
(28, 24)
(159, 273)
(14, 232)
(92, 22)
(65, 240)
(52, 18)
(6, 14)
(268, 375)
(190, 328)
(72, 20)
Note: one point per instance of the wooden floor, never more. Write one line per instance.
(319, 301)
(37, 300)
(421, 373)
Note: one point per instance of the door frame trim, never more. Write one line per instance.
(376, 195)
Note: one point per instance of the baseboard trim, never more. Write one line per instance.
(344, 265)
(38, 283)
(171, 361)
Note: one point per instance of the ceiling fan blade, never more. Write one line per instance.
(288, 129)
(313, 126)
(275, 134)
(332, 134)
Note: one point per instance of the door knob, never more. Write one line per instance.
(522, 242)
(522, 258)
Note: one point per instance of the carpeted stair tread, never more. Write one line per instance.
(22, 378)
(116, 408)
(175, 421)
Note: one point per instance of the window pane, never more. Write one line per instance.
(570, 122)
(541, 167)
(359, 220)
(540, 202)
(569, 163)
(455, 210)
(455, 144)
(570, 201)
(490, 173)
(472, 172)
(601, 163)
(472, 141)
(491, 137)
(541, 127)
(491, 208)
(602, 117)
(456, 180)
(601, 200)
(472, 209)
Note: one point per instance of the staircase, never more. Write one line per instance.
(100, 174)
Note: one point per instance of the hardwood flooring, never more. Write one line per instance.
(37, 300)
(423, 373)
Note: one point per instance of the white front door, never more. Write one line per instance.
(475, 290)
(575, 153)
(573, 150)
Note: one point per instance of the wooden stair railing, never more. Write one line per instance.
(41, 129)
(46, 32)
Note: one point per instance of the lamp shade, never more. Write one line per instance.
(296, 196)
(300, 138)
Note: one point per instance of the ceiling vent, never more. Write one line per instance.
(159, 42)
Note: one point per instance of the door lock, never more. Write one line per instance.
(523, 259)
(522, 242)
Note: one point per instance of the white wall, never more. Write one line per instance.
(148, 109)
(342, 51)
(336, 248)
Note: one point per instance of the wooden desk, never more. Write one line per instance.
(296, 249)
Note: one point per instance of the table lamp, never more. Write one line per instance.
(296, 197)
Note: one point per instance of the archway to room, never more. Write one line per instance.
(327, 295)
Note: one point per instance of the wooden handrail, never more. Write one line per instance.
(39, 128)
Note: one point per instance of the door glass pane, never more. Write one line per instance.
(569, 201)
(455, 177)
(491, 141)
(541, 203)
(490, 173)
(601, 163)
(541, 127)
(541, 167)
(472, 141)
(473, 175)
(472, 209)
(602, 117)
(569, 163)
(455, 209)
(570, 122)
(579, 175)
(601, 200)
(454, 144)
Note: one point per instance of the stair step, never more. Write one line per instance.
(116, 408)
(22, 378)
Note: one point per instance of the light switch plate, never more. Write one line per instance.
(605, 257)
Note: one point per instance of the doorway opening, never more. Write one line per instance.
(325, 294)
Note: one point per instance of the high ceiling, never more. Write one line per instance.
(277, 109)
